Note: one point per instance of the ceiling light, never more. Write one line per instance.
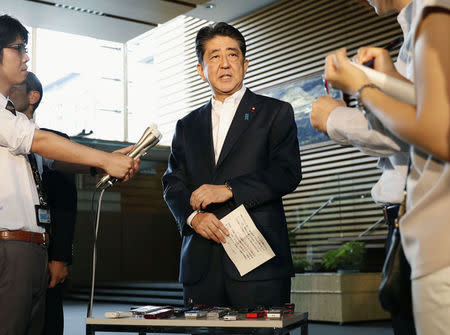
(210, 6)
(78, 9)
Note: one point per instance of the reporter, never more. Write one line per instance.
(425, 227)
(23, 207)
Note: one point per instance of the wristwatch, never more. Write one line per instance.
(359, 104)
(228, 186)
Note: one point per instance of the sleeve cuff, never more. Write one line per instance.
(334, 125)
(191, 217)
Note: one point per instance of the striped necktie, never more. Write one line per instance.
(10, 107)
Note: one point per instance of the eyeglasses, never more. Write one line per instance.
(20, 47)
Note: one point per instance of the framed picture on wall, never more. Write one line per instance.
(301, 94)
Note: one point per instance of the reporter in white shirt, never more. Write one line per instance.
(425, 227)
(23, 253)
(363, 130)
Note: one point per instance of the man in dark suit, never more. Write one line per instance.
(238, 149)
(62, 198)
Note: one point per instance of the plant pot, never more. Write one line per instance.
(338, 297)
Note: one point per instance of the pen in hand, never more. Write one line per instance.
(390, 46)
(325, 84)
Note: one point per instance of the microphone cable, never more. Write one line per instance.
(96, 221)
(148, 140)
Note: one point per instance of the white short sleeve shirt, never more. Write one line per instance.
(18, 193)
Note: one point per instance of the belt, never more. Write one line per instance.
(24, 236)
(390, 213)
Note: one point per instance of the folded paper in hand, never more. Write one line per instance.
(245, 245)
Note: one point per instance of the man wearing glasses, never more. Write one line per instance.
(24, 213)
(61, 191)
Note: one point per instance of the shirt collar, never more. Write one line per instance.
(235, 98)
(3, 101)
(404, 18)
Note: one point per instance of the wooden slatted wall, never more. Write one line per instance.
(344, 174)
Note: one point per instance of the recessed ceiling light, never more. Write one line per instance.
(210, 6)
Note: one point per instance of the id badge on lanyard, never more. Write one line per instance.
(43, 217)
(42, 210)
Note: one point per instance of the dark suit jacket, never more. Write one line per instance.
(62, 198)
(260, 160)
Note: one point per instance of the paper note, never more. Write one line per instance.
(245, 245)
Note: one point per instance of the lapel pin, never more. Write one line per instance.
(246, 116)
(252, 108)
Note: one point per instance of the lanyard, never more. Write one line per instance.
(34, 167)
(37, 180)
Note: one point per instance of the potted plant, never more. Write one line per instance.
(347, 258)
(343, 296)
(300, 264)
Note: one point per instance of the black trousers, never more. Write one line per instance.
(23, 283)
(54, 315)
(402, 321)
(216, 289)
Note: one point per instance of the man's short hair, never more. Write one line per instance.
(32, 83)
(10, 30)
(219, 29)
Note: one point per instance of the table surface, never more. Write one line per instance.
(203, 322)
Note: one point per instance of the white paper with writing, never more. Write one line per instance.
(245, 245)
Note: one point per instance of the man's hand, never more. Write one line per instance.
(209, 226)
(208, 194)
(58, 273)
(120, 166)
(321, 110)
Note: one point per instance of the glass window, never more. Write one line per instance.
(143, 85)
(156, 80)
(82, 79)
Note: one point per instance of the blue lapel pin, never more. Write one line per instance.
(246, 116)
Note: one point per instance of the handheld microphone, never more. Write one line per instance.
(147, 141)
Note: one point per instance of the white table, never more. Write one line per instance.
(199, 326)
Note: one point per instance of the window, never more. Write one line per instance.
(156, 80)
(82, 79)
(143, 85)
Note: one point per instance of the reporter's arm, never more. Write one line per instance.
(84, 169)
(58, 148)
(428, 125)
(347, 125)
(350, 126)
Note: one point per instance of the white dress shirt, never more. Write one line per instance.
(18, 193)
(222, 114)
(350, 126)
